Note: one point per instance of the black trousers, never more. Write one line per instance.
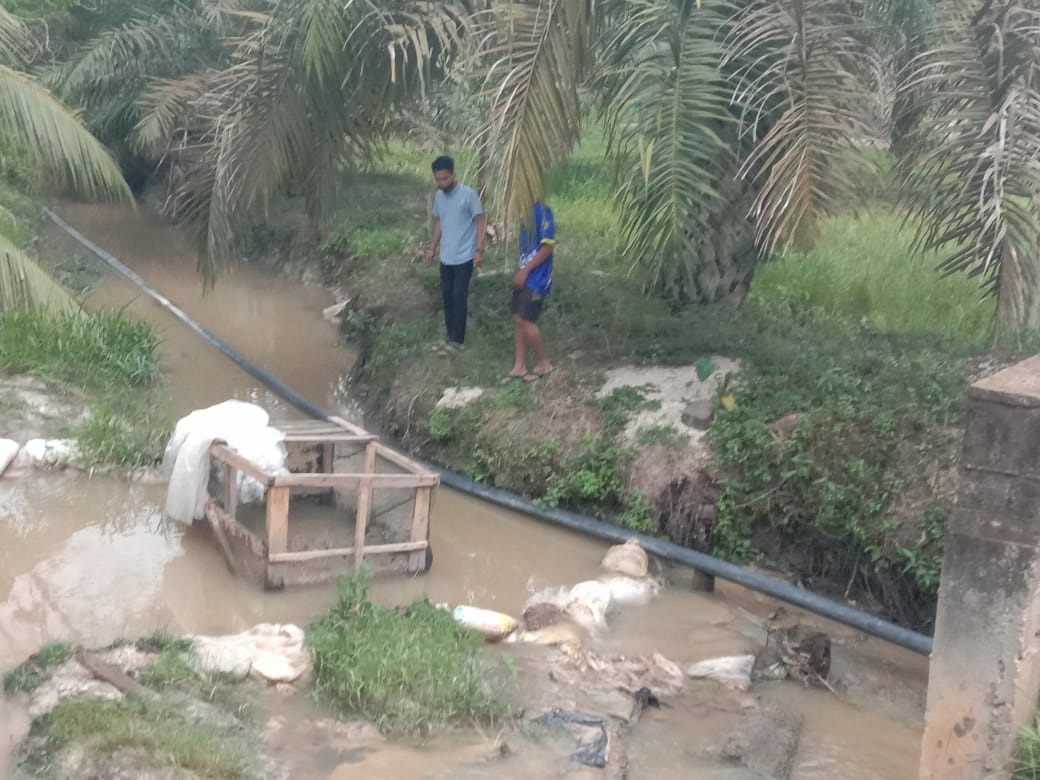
(455, 287)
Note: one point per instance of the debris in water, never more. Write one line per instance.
(629, 559)
(734, 672)
(493, 625)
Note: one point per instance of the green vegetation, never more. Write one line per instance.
(1028, 767)
(161, 732)
(410, 671)
(104, 356)
(32, 673)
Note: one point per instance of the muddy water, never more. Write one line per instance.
(90, 560)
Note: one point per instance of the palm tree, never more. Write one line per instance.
(972, 174)
(59, 145)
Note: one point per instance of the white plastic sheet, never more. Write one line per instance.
(245, 428)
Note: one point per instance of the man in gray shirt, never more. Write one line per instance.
(458, 230)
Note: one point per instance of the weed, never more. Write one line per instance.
(32, 673)
(172, 669)
(664, 435)
(618, 407)
(410, 671)
(160, 641)
(158, 729)
(129, 435)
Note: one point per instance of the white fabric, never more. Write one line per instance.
(245, 428)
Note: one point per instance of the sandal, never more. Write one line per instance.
(510, 378)
(534, 376)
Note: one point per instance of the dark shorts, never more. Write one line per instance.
(527, 304)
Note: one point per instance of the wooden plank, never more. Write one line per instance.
(355, 480)
(346, 552)
(402, 461)
(420, 527)
(306, 437)
(231, 491)
(348, 425)
(112, 675)
(364, 505)
(277, 520)
(221, 451)
(328, 457)
(235, 529)
(216, 522)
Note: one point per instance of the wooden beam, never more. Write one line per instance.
(238, 531)
(221, 451)
(346, 552)
(364, 505)
(328, 457)
(112, 675)
(403, 461)
(348, 425)
(231, 490)
(277, 520)
(307, 437)
(355, 480)
(420, 527)
(216, 523)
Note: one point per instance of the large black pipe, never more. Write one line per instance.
(715, 567)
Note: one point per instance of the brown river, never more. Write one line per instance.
(89, 559)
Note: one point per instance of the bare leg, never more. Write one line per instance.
(533, 337)
(519, 347)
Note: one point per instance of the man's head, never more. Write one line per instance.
(444, 173)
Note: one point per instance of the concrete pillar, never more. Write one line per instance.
(984, 678)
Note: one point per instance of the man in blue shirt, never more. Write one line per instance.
(458, 230)
(531, 285)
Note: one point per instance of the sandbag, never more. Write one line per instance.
(493, 625)
(734, 672)
(589, 604)
(629, 559)
(632, 591)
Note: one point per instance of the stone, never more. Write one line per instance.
(51, 453)
(765, 742)
(629, 559)
(458, 397)
(68, 680)
(733, 672)
(231, 656)
(698, 414)
(8, 452)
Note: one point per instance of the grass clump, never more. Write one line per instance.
(132, 435)
(411, 671)
(33, 672)
(159, 729)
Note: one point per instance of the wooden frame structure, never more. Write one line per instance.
(278, 566)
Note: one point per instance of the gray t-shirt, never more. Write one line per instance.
(456, 211)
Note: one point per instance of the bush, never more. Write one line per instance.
(411, 671)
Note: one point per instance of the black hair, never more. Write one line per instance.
(444, 163)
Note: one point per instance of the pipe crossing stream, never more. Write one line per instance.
(89, 559)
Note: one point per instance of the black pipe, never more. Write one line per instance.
(799, 597)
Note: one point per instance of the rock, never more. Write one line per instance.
(632, 591)
(69, 679)
(128, 658)
(698, 414)
(765, 742)
(458, 397)
(8, 452)
(51, 453)
(784, 427)
(538, 616)
(629, 558)
(734, 672)
(231, 656)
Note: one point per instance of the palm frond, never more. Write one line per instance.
(801, 81)
(164, 106)
(667, 104)
(12, 38)
(535, 111)
(972, 179)
(24, 284)
(60, 144)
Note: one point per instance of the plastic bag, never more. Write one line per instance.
(245, 428)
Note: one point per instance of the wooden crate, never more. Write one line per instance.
(264, 550)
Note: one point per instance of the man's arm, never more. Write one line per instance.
(481, 221)
(435, 241)
(544, 251)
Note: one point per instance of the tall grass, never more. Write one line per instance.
(96, 351)
(410, 671)
(864, 268)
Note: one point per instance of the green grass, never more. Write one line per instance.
(112, 361)
(159, 729)
(864, 268)
(33, 672)
(412, 672)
